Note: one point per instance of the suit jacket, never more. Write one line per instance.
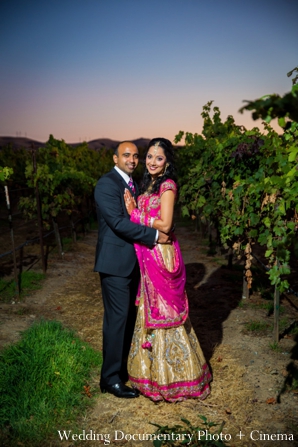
(115, 253)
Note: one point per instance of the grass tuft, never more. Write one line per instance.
(257, 326)
(43, 383)
(275, 347)
(294, 329)
(28, 282)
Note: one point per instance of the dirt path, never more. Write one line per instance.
(247, 374)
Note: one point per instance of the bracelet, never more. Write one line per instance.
(152, 221)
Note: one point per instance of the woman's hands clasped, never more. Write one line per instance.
(130, 202)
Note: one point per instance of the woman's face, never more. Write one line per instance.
(155, 161)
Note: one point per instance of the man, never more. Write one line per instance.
(118, 267)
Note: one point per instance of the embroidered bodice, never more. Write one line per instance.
(150, 203)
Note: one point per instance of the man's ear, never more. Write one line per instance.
(115, 159)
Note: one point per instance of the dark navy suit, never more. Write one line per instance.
(116, 262)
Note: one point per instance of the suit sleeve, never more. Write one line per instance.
(110, 201)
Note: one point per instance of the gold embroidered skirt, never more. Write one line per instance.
(172, 366)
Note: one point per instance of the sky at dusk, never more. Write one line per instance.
(125, 69)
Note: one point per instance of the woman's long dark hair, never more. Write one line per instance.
(169, 173)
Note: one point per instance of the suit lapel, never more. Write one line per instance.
(119, 179)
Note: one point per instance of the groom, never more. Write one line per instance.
(116, 262)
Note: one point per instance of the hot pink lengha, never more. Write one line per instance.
(165, 360)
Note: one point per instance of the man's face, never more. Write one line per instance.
(128, 157)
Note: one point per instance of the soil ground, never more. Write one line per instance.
(247, 373)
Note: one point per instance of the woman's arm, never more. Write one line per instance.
(167, 202)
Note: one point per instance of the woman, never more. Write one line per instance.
(165, 360)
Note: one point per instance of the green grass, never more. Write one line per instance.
(28, 281)
(267, 306)
(205, 251)
(42, 381)
(263, 326)
(283, 324)
(275, 347)
(294, 330)
(67, 243)
(257, 326)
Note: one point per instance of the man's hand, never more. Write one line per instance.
(130, 202)
(163, 238)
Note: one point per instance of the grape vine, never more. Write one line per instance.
(245, 184)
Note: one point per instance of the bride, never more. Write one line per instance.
(165, 360)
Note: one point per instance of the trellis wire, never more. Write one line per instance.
(31, 241)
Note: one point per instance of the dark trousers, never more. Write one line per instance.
(119, 296)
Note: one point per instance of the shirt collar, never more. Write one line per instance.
(125, 176)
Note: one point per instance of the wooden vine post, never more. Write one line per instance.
(276, 312)
(245, 289)
(16, 279)
(57, 236)
(39, 214)
(73, 231)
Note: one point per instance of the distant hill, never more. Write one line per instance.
(26, 143)
(20, 142)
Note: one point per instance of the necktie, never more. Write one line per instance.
(131, 185)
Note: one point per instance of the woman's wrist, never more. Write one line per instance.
(152, 219)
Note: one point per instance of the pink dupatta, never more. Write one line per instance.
(165, 299)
